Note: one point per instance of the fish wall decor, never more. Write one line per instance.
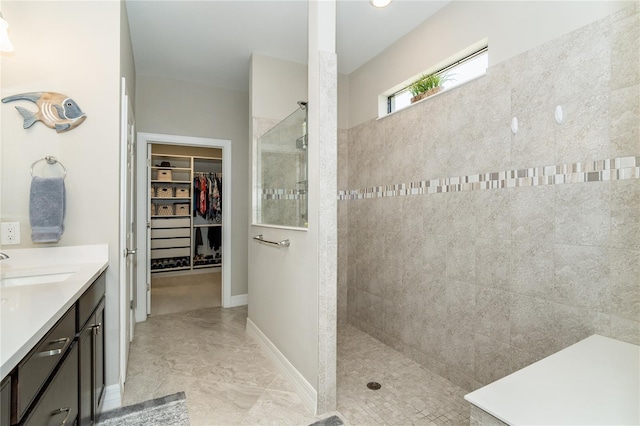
(55, 110)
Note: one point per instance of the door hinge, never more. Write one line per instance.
(148, 287)
(132, 305)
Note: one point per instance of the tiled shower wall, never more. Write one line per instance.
(481, 280)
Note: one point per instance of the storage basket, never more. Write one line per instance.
(182, 209)
(153, 209)
(164, 175)
(164, 210)
(182, 192)
(164, 191)
(153, 191)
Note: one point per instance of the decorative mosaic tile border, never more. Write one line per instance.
(588, 171)
(283, 194)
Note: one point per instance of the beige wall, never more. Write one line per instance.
(180, 108)
(127, 65)
(276, 86)
(511, 27)
(282, 288)
(81, 61)
(280, 84)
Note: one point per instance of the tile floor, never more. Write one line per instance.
(228, 381)
(177, 294)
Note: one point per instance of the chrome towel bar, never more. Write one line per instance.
(283, 243)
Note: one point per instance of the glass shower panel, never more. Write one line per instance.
(281, 197)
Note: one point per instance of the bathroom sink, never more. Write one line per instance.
(34, 279)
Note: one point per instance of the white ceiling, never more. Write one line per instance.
(210, 41)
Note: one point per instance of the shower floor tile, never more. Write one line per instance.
(409, 393)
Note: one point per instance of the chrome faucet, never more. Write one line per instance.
(3, 256)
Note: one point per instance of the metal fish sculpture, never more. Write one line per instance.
(55, 110)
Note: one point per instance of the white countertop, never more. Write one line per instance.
(593, 382)
(28, 312)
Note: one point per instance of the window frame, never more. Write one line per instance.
(391, 97)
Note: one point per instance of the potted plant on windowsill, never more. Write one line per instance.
(426, 86)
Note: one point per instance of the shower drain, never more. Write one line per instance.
(374, 385)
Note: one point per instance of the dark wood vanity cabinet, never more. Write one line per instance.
(62, 379)
(5, 402)
(91, 343)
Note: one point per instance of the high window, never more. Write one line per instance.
(459, 72)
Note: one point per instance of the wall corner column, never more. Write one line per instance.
(323, 131)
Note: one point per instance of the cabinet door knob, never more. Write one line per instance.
(60, 411)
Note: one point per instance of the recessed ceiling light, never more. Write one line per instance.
(379, 3)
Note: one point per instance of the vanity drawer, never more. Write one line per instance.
(59, 403)
(90, 299)
(35, 368)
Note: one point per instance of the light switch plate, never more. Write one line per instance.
(10, 233)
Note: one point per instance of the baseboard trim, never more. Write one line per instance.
(112, 397)
(239, 300)
(303, 388)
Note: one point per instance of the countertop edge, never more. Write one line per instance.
(9, 364)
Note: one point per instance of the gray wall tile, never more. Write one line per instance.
(532, 213)
(492, 359)
(625, 283)
(493, 262)
(624, 106)
(493, 314)
(532, 266)
(582, 277)
(625, 52)
(625, 214)
(582, 213)
(533, 326)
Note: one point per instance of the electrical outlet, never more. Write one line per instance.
(10, 233)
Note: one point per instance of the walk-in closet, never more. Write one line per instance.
(185, 205)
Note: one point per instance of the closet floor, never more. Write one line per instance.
(184, 293)
(229, 381)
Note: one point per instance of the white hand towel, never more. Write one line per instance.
(47, 209)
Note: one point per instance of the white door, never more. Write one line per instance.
(148, 239)
(131, 221)
(127, 228)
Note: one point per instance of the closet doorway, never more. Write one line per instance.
(184, 207)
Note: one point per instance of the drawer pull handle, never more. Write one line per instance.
(62, 410)
(53, 352)
(96, 328)
(49, 353)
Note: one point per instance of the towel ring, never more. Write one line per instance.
(50, 161)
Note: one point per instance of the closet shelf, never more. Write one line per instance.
(207, 225)
(170, 181)
(168, 216)
(177, 169)
(171, 198)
